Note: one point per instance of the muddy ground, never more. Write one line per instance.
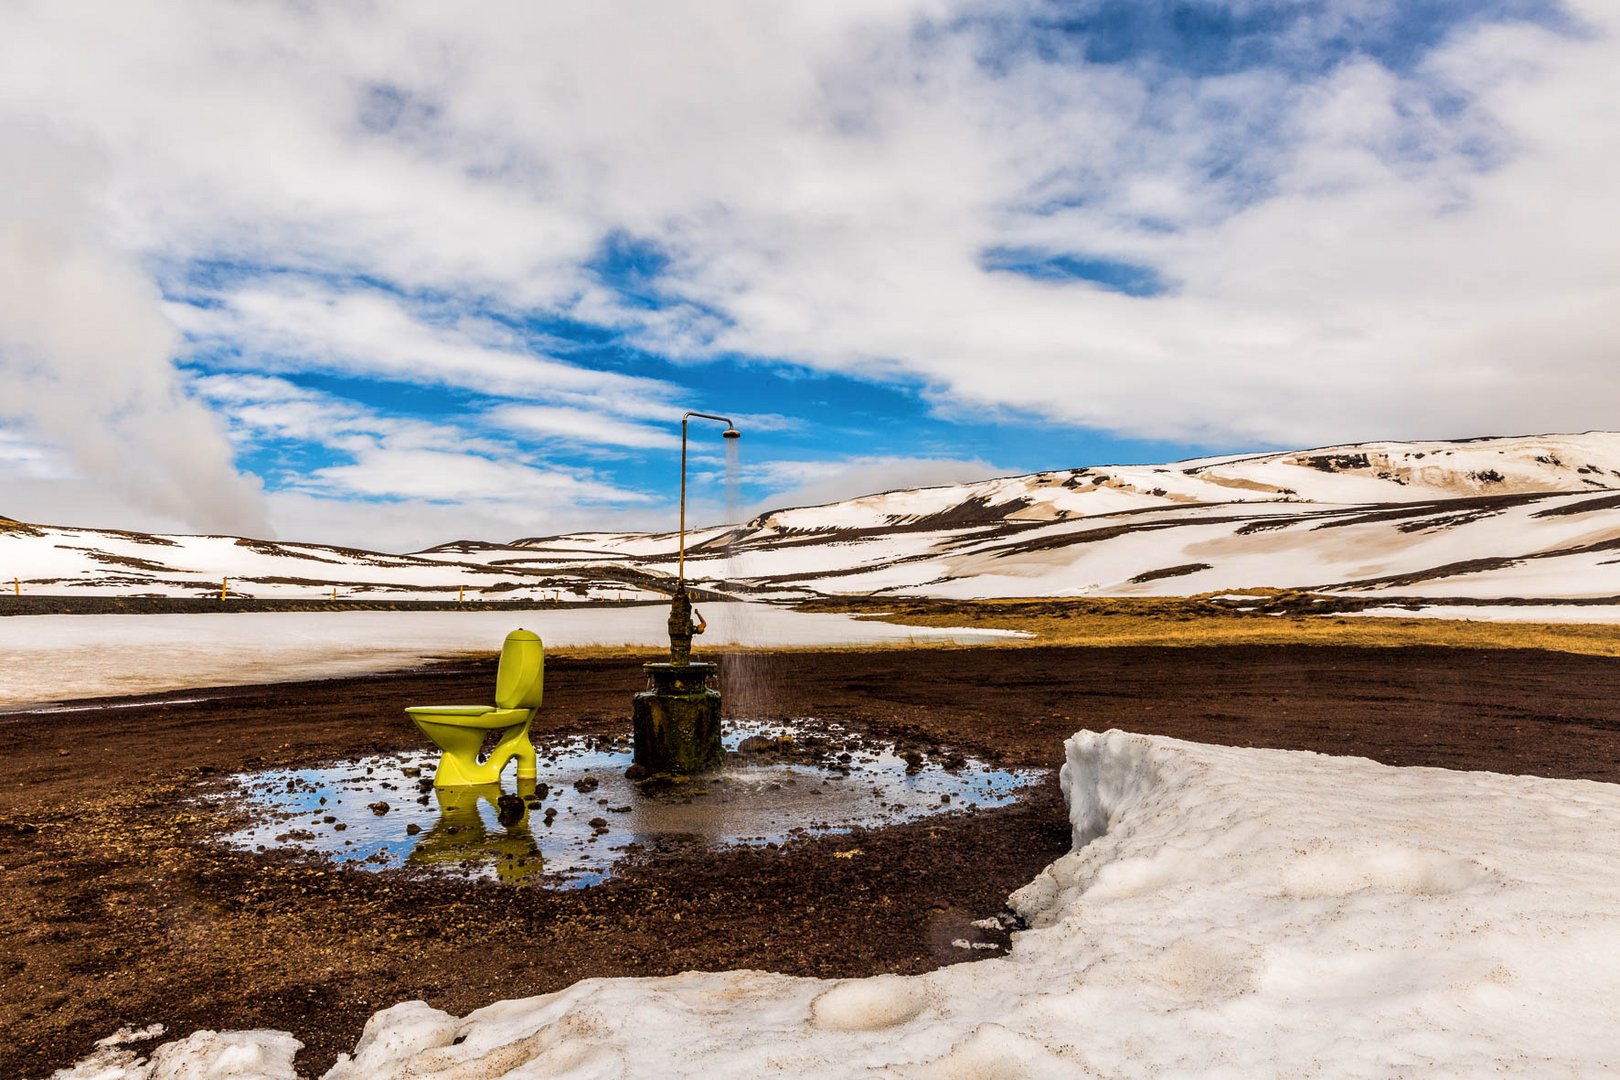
(116, 907)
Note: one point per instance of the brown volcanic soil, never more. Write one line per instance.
(115, 908)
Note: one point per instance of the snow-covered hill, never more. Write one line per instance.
(1342, 475)
(57, 560)
(1534, 517)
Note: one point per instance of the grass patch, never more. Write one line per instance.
(1277, 617)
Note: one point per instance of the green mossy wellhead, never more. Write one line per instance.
(677, 722)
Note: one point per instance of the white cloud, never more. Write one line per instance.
(263, 407)
(811, 483)
(453, 477)
(1375, 291)
(24, 457)
(581, 426)
(286, 323)
(399, 482)
(412, 524)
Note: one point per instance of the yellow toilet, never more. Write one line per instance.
(459, 730)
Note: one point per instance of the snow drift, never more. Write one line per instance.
(1225, 912)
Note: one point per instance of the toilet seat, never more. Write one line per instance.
(474, 716)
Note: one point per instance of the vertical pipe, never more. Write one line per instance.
(680, 573)
(224, 584)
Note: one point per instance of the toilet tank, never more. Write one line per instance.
(521, 676)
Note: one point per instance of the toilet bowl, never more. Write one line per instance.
(459, 730)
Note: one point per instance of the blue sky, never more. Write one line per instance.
(801, 423)
(392, 280)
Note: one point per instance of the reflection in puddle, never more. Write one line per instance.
(570, 828)
(462, 837)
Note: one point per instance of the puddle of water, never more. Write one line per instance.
(584, 815)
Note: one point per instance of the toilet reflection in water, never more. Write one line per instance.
(463, 836)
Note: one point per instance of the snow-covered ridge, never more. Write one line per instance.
(1226, 912)
(1376, 472)
(1533, 518)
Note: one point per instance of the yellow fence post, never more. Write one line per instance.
(224, 586)
(16, 586)
(334, 592)
(461, 594)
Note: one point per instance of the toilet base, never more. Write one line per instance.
(460, 742)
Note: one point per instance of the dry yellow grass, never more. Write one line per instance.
(1184, 621)
(1104, 622)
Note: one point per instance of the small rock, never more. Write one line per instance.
(598, 823)
(379, 808)
(638, 772)
(754, 744)
(586, 784)
(509, 810)
(410, 770)
(412, 829)
(339, 827)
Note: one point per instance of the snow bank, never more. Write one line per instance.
(1226, 912)
(49, 657)
(1603, 614)
(203, 1055)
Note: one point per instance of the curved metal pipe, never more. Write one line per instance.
(731, 432)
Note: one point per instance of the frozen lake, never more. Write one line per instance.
(46, 658)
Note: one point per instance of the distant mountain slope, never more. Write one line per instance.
(1365, 473)
(91, 562)
(1533, 517)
